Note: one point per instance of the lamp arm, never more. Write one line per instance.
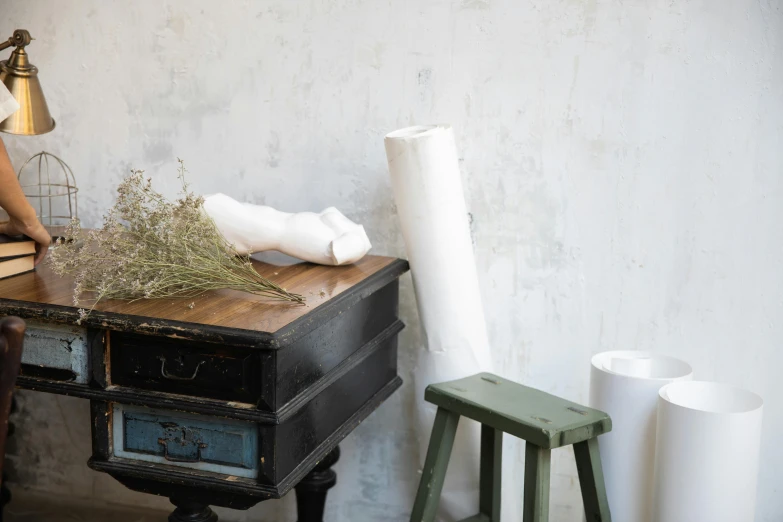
(20, 38)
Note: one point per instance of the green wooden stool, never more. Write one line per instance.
(542, 420)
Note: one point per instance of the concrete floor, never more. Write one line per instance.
(29, 508)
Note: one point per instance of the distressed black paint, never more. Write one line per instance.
(303, 388)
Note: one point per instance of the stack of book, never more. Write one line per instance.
(17, 255)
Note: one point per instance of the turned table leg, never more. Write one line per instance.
(191, 511)
(5, 493)
(311, 491)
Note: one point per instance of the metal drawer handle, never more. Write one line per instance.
(167, 375)
(199, 447)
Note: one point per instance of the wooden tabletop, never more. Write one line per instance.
(42, 293)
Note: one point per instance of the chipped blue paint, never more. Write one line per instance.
(56, 346)
(224, 446)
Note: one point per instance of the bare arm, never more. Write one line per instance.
(22, 216)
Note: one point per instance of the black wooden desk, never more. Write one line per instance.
(227, 399)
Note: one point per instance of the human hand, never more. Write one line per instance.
(32, 229)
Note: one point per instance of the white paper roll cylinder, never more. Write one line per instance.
(707, 453)
(427, 187)
(625, 385)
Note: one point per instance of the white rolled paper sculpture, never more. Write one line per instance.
(328, 238)
(707, 453)
(625, 384)
(427, 187)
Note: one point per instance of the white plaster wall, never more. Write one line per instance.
(623, 162)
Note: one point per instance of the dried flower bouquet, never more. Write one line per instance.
(150, 247)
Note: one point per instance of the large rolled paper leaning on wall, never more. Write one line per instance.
(707, 453)
(625, 384)
(425, 178)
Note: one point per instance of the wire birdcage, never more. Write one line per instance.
(56, 199)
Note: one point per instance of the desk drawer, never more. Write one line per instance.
(56, 352)
(200, 442)
(185, 368)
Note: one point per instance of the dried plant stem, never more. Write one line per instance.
(151, 248)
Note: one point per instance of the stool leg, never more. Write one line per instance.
(537, 466)
(434, 472)
(591, 478)
(490, 473)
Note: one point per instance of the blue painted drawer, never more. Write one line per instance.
(56, 352)
(225, 446)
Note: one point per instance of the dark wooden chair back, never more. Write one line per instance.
(11, 339)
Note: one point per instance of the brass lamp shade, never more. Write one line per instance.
(21, 78)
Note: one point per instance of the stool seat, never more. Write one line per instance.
(533, 415)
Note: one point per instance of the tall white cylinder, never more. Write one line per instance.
(707, 453)
(427, 186)
(625, 385)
